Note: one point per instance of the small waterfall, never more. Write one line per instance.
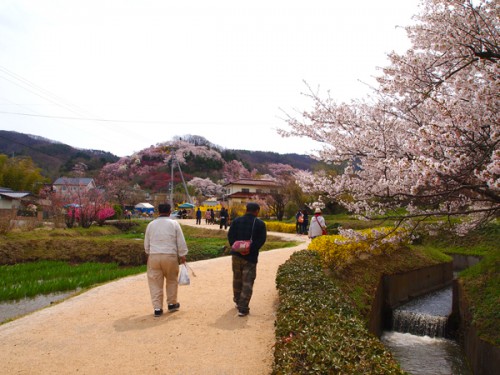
(425, 316)
(419, 324)
(417, 339)
(423, 355)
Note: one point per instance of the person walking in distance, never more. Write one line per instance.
(299, 219)
(247, 227)
(165, 246)
(318, 225)
(305, 221)
(198, 216)
(223, 218)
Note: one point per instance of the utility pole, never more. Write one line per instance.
(172, 182)
(174, 161)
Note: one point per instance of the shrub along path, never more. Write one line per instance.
(111, 329)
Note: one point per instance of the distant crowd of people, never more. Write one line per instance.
(210, 217)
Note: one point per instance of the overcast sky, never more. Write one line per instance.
(121, 75)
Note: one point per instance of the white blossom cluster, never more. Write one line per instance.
(428, 140)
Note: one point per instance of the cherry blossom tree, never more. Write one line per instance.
(155, 160)
(428, 139)
(235, 170)
(206, 187)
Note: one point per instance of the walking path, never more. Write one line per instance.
(111, 329)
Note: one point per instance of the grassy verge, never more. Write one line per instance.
(322, 316)
(318, 323)
(317, 329)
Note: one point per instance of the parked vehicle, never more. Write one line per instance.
(175, 214)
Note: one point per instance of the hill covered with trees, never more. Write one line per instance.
(53, 158)
(56, 159)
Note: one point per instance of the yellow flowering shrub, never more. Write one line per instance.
(277, 226)
(339, 250)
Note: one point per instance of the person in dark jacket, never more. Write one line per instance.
(223, 218)
(245, 266)
(198, 216)
(305, 222)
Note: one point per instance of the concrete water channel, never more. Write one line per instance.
(418, 340)
(428, 303)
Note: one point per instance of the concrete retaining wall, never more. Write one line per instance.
(395, 290)
(462, 262)
(483, 357)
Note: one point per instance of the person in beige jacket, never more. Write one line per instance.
(165, 246)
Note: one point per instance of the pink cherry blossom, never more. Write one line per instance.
(427, 140)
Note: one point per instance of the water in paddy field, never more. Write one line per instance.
(14, 309)
(417, 340)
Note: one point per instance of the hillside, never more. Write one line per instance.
(256, 159)
(54, 158)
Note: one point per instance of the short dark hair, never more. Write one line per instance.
(164, 208)
(252, 207)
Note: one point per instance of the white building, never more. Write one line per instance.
(245, 189)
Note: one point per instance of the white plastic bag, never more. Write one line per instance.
(184, 275)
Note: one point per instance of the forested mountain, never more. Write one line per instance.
(56, 159)
(259, 159)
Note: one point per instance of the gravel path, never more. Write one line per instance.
(111, 330)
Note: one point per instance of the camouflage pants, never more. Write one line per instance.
(244, 274)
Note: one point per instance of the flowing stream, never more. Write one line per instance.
(424, 355)
(417, 340)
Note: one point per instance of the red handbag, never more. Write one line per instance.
(243, 246)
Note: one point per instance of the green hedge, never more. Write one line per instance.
(317, 330)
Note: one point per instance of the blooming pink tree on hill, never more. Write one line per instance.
(235, 170)
(206, 187)
(120, 177)
(428, 140)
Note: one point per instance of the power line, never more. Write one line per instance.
(42, 93)
(119, 121)
(82, 118)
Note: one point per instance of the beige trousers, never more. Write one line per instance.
(162, 266)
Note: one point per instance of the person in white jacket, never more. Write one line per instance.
(317, 227)
(165, 246)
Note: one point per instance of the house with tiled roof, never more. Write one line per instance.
(247, 189)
